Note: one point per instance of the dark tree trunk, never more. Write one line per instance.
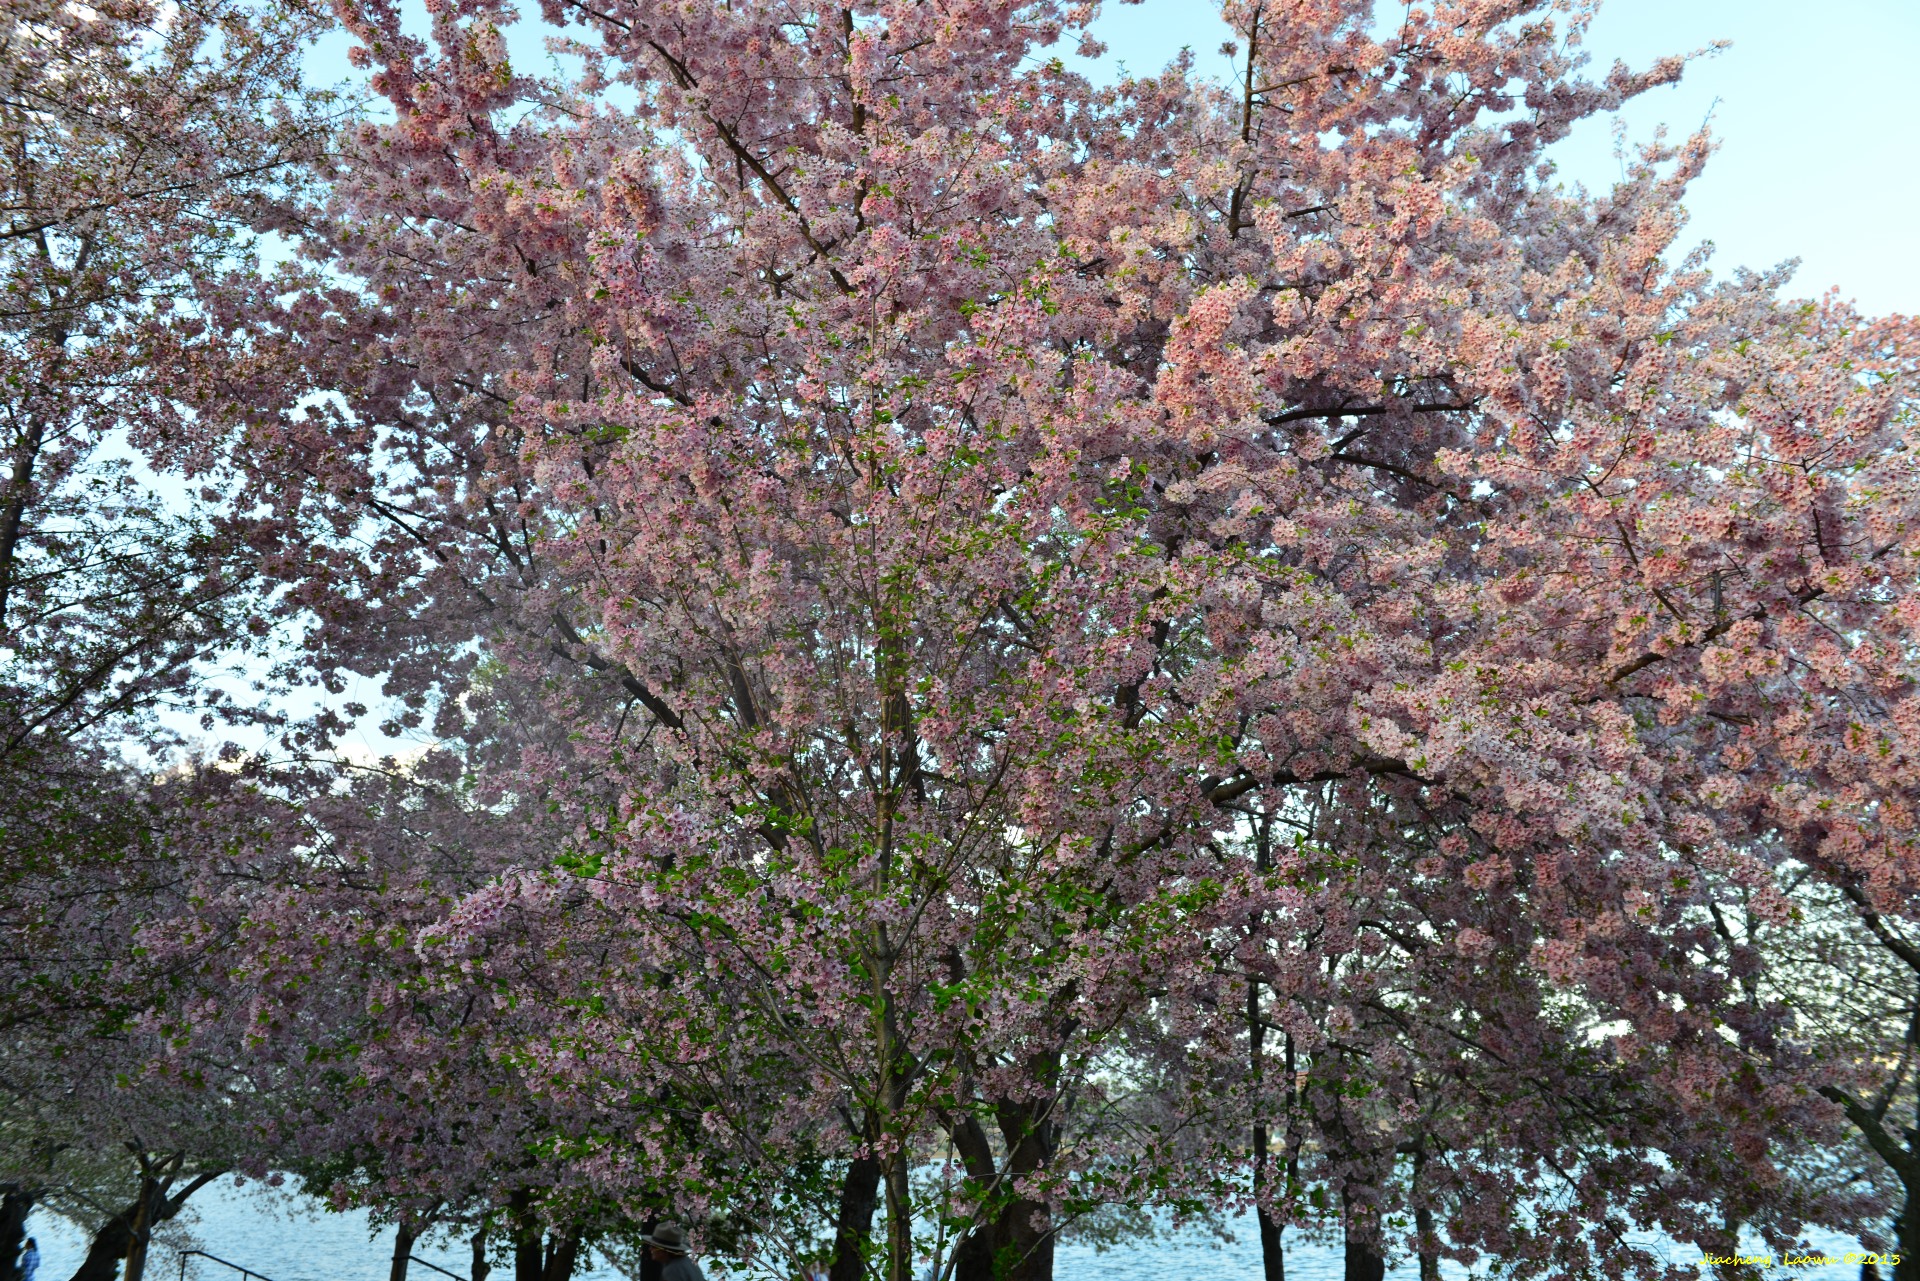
(563, 1252)
(899, 1218)
(1429, 1257)
(107, 1249)
(403, 1239)
(136, 1265)
(1359, 1228)
(1025, 1230)
(650, 1267)
(118, 1239)
(16, 1202)
(973, 1253)
(1364, 1261)
(1908, 1246)
(123, 1238)
(853, 1227)
(481, 1266)
(1428, 1239)
(1015, 1242)
(1273, 1259)
(1730, 1225)
(527, 1263)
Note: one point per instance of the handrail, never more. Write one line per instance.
(247, 1274)
(414, 1258)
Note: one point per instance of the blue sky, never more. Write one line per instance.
(1816, 106)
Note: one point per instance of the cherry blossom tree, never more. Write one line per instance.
(141, 144)
(945, 500)
(106, 1118)
(137, 144)
(1846, 974)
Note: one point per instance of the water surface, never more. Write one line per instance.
(285, 1236)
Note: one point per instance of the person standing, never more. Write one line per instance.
(29, 1260)
(668, 1245)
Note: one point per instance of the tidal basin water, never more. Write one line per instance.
(286, 1237)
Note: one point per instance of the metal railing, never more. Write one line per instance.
(411, 1259)
(246, 1274)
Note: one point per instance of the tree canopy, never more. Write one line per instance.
(986, 651)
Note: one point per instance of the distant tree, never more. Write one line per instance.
(138, 145)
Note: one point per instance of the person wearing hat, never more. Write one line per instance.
(667, 1243)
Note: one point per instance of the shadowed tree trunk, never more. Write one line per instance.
(1015, 1240)
(16, 1202)
(481, 1265)
(1359, 1228)
(1896, 1145)
(563, 1253)
(1273, 1259)
(1428, 1238)
(1026, 1229)
(1908, 1269)
(1364, 1260)
(650, 1267)
(403, 1238)
(1730, 1225)
(539, 1255)
(853, 1227)
(527, 1263)
(973, 1254)
(123, 1239)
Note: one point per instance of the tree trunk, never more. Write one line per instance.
(1908, 1246)
(1025, 1232)
(1427, 1239)
(1273, 1259)
(16, 1202)
(527, 1263)
(108, 1248)
(136, 1266)
(1429, 1257)
(1364, 1260)
(403, 1238)
(1731, 1225)
(973, 1253)
(1014, 1242)
(13, 513)
(853, 1230)
(118, 1239)
(650, 1267)
(124, 1237)
(899, 1218)
(480, 1264)
(563, 1252)
(1908, 1228)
